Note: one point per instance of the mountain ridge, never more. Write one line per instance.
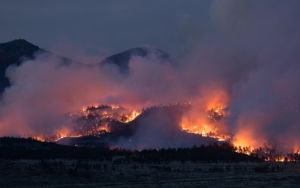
(16, 51)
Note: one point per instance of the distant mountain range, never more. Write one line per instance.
(16, 51)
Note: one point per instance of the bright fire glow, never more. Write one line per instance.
(93, 121)
(206, 117)
(131, 116)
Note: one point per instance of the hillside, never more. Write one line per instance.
(13, 53)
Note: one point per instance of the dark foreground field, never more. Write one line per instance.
(25, 162)
(88, 173)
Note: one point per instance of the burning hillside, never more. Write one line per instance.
(93, 121)
(142, 115)
(108, 124)
(209, 129)
(240, 80)
(114, 125)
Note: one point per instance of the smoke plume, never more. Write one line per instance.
(248, 63)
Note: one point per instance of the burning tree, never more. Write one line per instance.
(216, 115)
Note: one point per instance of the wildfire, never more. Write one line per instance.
(39, 138)
(205, 119)
(93, 121)
(243, 143)
(130, 117)
(206, 132)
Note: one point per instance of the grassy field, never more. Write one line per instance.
(72, 173)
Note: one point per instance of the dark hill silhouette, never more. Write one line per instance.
(122, 59)
(14, 52)
(17, 51)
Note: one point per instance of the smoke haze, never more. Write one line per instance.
(248, 62)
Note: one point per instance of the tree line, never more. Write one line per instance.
(29, 148)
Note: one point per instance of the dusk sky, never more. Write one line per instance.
(105, 27)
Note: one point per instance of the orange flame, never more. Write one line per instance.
(132, 115)
(209, 108)
(99, 116)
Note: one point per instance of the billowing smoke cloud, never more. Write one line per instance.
(249, 64)
(46, 89)
(43, 91)
(264, 90)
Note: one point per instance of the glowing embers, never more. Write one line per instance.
(216, 115)
(96, 120)
(130, 116)
(246, 150)
(207, 132)
(39, 138)
(270, 153)
(111, 112)
(55, 137)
